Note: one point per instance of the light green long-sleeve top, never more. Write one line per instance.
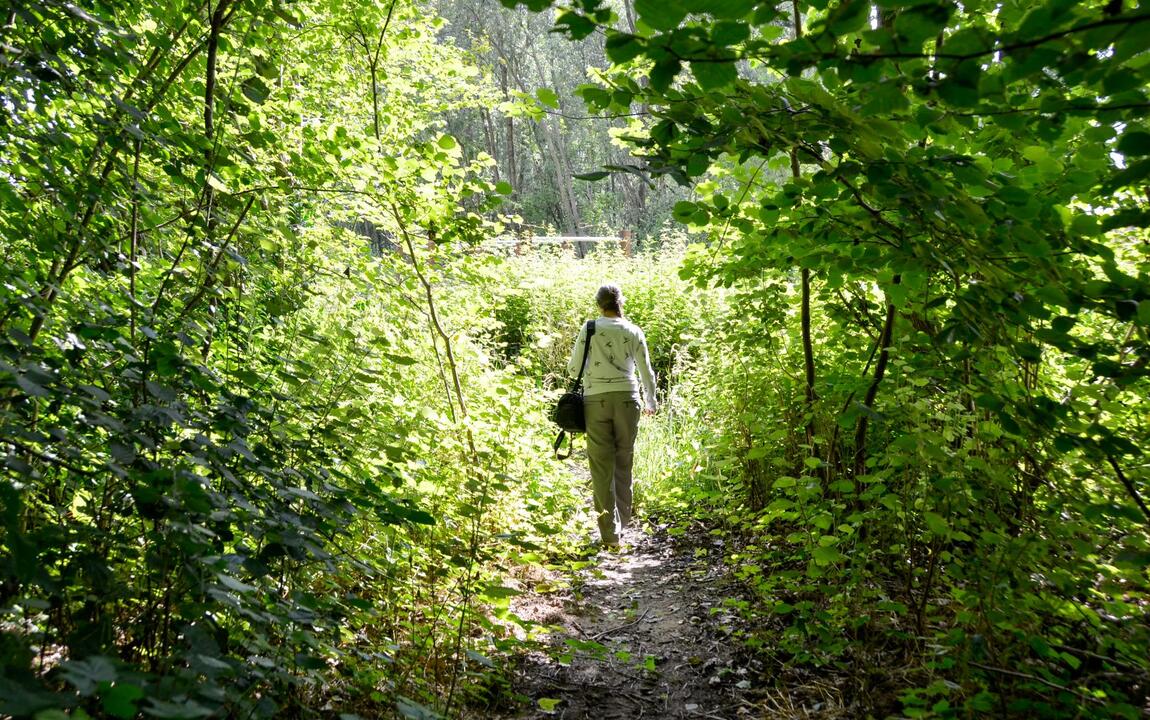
(618, 350)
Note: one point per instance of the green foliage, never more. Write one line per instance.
(273, 432)
(931, 370)
(549, 295)
(236, 477)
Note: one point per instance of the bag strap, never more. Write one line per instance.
(575, 388)
(559, 443)
(586, 351)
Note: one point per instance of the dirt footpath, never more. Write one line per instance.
(642, 633)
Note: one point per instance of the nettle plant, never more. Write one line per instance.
(966, 184)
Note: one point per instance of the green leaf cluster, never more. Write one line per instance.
(232, 479)
(930, 224)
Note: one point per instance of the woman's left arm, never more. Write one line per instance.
(646, 373)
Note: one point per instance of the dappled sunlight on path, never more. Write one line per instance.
(642, 633)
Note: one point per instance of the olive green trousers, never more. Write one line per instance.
(612, 424)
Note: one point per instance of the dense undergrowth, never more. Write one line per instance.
(314, 510)
(259, 457)
(273, 423)
(968, 572)
(305, 517)
(924, 401)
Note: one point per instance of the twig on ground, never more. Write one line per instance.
(1086, 653)
(632, 697)
(607, 632)
(1044, 681)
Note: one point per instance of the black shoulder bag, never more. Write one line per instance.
(568, 412)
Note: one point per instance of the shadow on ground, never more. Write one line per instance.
(642, 633)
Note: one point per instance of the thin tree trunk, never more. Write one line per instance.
(808, 354)
(509, 128)
(557, 146)
(805, 310)
(220, 18)
(872, 391)
(375, 68)
(134, 242)
(223, 14)
(1131, 489)
(375, 99)
(629, 13)
(568, 203)
(489, 140)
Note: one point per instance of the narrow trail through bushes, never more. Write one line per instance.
(640, 633)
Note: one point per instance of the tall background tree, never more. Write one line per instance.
(542, 137)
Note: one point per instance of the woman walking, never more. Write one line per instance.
(611, 403)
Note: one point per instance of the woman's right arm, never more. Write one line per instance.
(577, 352)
